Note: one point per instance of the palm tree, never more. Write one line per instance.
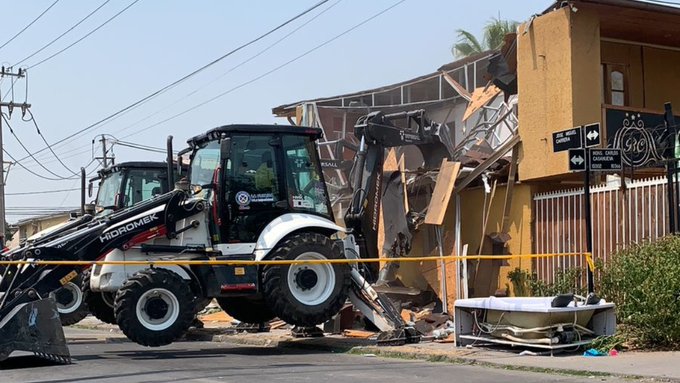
(494, 32)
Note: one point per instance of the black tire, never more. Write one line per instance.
(154, 307)
(246, 310)
(71, 303)
(320, 300)
(96, 303)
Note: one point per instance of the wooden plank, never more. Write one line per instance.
(446, 179)
(457, 86)
(361, 334)
(507, 205)
(480, 98)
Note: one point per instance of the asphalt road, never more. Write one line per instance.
(95, 360)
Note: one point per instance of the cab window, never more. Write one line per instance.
(142, 184)
(303, 175)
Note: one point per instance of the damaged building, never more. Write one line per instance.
(509, 192)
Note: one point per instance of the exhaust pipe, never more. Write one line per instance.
(82, 191)
(171, 174)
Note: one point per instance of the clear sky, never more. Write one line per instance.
(156, 42)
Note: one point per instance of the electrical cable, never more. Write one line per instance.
(29, 170)
(63, 34)
(182, 79)
(35, 123)
(86, 35)
(251, 58)
(29, 24)
(42, 192)
(268, 72)
(11, 130)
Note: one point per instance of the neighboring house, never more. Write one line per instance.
(25, 228)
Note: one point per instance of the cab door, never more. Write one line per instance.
(254, 188)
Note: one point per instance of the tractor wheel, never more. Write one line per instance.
(246, 310)
(71, 304)
(100, 304)
(306, 295)
(154, 307)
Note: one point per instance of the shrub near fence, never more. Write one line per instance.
(644, 282)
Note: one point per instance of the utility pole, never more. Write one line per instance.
(10, 106)
(105, 157)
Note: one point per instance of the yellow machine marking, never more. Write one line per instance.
(68, 278)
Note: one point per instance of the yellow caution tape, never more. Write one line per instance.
(591, 263)
(241, 262)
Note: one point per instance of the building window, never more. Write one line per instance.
(615, 84)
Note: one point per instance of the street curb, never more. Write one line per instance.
(359, 347)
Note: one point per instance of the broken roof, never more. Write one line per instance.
(286, 109)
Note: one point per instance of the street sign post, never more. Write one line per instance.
(591, 135)
(567, 139)
(578, 141)
(577, 160)
(605, 160)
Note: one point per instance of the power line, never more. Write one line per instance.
(29, 24)
(86, 35)
(11, 130)
(63, 34)
(21, 165)
(43, 192)
(184, 78)
(35, 123)
(267, 73)
(251, 58)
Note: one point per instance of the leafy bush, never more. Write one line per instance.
(566, 281)
(644, 282)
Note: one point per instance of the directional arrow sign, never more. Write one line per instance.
(592, 135)
(567, 139)
(605, 160)
(577, 160)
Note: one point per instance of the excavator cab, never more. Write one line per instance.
(254, 176)
(125, 184)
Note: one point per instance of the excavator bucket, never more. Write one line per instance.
(34, 327)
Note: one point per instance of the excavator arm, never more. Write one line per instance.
(376, 132)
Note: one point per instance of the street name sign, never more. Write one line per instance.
(591, 135)
(605, 160)
(567, 139)
(577, 160)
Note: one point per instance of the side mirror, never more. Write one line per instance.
(89, 190)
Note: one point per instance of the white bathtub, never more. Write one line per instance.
(531, 320)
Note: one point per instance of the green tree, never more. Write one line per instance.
(494, 32)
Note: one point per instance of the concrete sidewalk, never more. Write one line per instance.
(658, 366)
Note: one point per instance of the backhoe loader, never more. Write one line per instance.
(254, 192)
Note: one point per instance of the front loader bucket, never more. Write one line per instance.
(34, 327)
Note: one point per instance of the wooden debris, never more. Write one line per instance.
(276, 324)
(407, 315)
(361, 334)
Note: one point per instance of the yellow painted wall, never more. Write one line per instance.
(472, 210)
(559, 85)
(662, 77)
